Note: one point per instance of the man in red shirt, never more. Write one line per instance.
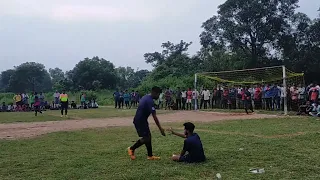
(189, 98)
(225, 98)
(257, 98)
(314, 94)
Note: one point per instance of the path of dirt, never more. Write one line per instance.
(26, 130)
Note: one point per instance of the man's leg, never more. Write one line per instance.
(66, 109)
(62, 108)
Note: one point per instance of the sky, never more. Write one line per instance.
(61, 33)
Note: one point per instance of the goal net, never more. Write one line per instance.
(251, 78)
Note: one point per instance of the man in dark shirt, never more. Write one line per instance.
(178, 98)
(140, 121)
(192, 151)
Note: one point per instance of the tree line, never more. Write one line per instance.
(89, 74)
(244, 34)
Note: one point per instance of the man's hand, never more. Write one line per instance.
(170, 130)
(162, 132)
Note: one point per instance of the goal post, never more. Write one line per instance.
(275, 75)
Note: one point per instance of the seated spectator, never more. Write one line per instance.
(315, 111)
(10, 108)
(73, 105)
(173, 106)
(305, 108)
(3, 107)
(94, 104)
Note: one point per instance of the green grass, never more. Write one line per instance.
(100, 153)
(102, 112)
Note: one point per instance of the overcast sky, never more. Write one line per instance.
(60, 33)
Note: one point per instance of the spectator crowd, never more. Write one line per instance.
(26, 102)
(260, 97)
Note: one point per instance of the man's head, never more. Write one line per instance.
(155, 92)
(188, 128)
(4, 103)
(63, 92)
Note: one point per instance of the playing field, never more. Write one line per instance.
(90, 146)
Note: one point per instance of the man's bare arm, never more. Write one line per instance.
(156, 120)
(177, 134)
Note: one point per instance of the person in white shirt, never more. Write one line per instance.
(56, 97)
(206, 97)
(184, 99)
(195, 95)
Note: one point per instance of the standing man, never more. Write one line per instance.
(116, 96)
(189, 98)
(206, 97)
(56, 97)
(140, 121)
(184, 99)
(64, 103)
(178, 98)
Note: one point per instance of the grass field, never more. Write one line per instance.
(286, 148)
(103, 112)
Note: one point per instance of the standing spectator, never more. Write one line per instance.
(189, 98)
(302, 94)
(41, 98)
(313, 94)
(168, 97)
(206, 97)
(121, 99)
(195, 95)
(257, 97)
(56, 96)
(116, 96)
(184, 99)
(18, 100)
(214, 98)
(83, 100)
(239, 97)
(233, 98)
(161, 100)
(126, 98)
(178, 98)
(268, 97)
(275, 93)
(225, 98)
(246, 98)
(133, 99)
(294, 98)
(137, 98)
(219, 97)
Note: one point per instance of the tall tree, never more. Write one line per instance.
(173, 60)
(5, 78)
(251, 27)
(56, 75)
(92, 70)
(30, 76)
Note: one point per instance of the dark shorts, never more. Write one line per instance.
(142, 130)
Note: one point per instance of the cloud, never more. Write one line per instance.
(71, 10)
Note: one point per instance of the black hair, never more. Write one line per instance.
(189, 126)
(156, 89)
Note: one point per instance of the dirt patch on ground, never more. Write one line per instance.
(27, 130)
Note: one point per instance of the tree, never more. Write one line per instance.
(173, 60)
(251, 27)
(124, 74)
(30, 76)
(56, 75)
(89, 70)
(5, 78)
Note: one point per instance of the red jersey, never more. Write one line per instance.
(314, 94)
(257, 93)
(189, 95)
(226, 93)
